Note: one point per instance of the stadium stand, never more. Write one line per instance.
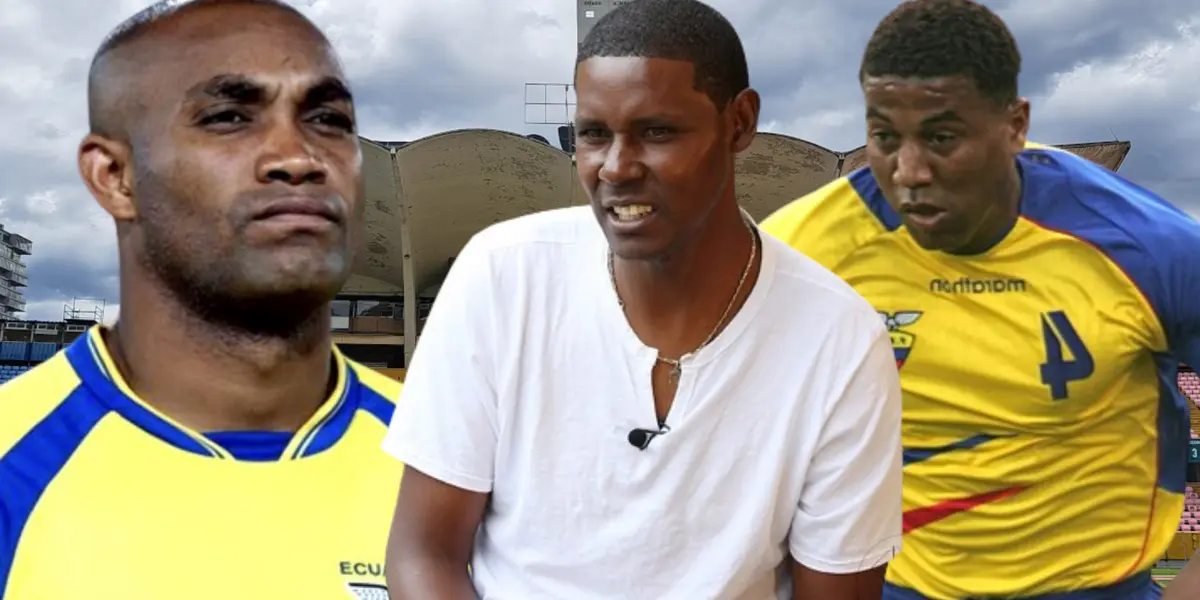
(24, 344)
(8, 372)
(1189, 384)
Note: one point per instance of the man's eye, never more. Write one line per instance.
(225, 117)
(337, 120)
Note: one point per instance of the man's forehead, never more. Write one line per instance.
(635, 71)
(231, 32)
(608, 84)
(915, 91)
(242, 55)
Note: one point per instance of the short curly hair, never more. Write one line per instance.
(685, 30)
(946, 38)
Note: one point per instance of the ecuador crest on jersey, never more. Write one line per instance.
(902, 340)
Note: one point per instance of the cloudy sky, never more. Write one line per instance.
(1094, 70)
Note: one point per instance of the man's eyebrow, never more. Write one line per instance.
(326, 91)
(235, 88)
(654, 120)
(946, 116)
(587, 123)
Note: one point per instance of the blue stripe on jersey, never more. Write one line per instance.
(377, 405)
(253, 446)
(1153, 242)
(916, 455)
(79, 353)
(1137, 587)
(325, 434)
(36, 459)
(868, 189)
(1174, 427)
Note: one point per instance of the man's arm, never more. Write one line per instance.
(848, 524)
(430, 543)
(1186, 585)
(863, 585)
(445, 429)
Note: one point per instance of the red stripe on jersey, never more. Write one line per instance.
(920, 517)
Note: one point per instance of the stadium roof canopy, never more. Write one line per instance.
(426, 198)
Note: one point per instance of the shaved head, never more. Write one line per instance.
(114, 79)
(224, 144)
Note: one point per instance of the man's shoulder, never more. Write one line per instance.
(835, 220)
(556, 227)
(1072, 195)
(31, 400)
(801, 281)
(1151, 240)
(546, 243)
(377, 393)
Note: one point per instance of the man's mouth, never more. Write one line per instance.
(631, 212)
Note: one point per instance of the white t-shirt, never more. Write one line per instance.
(784, 433)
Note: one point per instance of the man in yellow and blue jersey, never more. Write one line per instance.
(1038, 305)
(213, 443)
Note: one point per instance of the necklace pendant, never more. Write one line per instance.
(676, 371)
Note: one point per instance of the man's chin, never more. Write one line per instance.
(930, 241)
(638, 249)
(291, 271)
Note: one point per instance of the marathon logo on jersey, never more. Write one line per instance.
(968, 285)
(902, 341)
(368, 591)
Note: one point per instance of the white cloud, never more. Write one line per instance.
(1146, 95)
(1161, 75)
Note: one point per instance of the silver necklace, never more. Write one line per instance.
(676, 364)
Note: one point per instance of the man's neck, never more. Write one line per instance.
(673, 304)
(1005, 211)
(214, 379)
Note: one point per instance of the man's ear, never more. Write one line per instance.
(745, 108)
(105, 167)
(1019, 124)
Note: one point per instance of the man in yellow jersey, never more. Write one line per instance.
(213, 443)
(1038, 305)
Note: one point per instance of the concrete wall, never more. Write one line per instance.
(379, 255)
(777, 169)
(426, 199)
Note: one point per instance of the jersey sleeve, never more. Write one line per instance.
(445, 424)
(1181, 315)
(849, 518)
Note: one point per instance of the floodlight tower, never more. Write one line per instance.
(554, 103)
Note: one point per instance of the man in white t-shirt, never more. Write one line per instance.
(648, 399)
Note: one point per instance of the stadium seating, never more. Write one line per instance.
(1191, 511)
(1189, 382)
(10, 371)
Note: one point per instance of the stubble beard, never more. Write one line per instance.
(222, 295)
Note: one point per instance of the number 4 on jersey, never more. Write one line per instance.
(1057, 332)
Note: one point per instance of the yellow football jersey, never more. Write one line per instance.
(1044, 438)
(104, 498)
